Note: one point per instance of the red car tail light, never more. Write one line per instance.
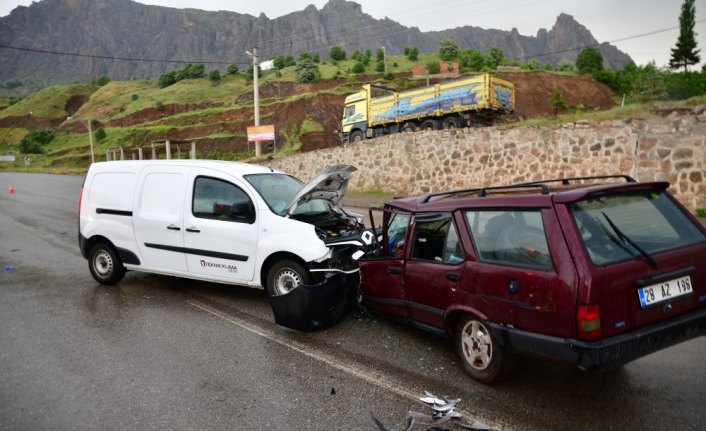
(588, 322)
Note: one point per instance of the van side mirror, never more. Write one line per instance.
(243, 212)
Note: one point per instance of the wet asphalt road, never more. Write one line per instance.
(160, 352)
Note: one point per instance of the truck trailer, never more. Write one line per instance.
(378, 111)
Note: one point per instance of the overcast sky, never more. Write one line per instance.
(608, 20)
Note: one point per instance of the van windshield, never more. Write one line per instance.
(612, 225)
(278, 189)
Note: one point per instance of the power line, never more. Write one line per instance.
(108, 57)
(610, 41)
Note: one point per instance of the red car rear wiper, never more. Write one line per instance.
(627, 240)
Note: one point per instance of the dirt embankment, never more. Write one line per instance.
(532, 93)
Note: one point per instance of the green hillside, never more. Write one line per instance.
(215, 113)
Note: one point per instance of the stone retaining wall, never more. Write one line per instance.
(671, 149)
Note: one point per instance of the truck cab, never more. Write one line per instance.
(355, 117)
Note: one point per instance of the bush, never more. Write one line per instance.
(337, 53)
(41, 136)
(433, 67)
(100, 134)
(30, 147)
(100, 80)
(389, 76)
(214, 75)
(307, 71)
(232, 69)
(358, 67)
(167, 79)
(472, 59)
(565, 66)
(135, 97)
(159, 106)
(380, 67)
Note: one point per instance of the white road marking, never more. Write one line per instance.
(367, 375)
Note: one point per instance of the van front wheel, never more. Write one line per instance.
(284, 276)
(482, 357)
(105, 265)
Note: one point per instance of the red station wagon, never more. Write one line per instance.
(591, 274)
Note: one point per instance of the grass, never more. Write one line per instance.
(48, 103)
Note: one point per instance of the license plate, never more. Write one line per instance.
(664, 291)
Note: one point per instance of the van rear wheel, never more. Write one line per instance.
(284, 276)
(104, 264)
(482, 357)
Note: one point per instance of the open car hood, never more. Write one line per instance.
(330, 185)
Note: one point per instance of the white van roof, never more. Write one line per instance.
(136, 165)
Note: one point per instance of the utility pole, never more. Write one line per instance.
(90, 140)
(256, 95)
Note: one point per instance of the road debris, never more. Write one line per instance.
(442, 411)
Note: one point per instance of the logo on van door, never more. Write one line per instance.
(231, 268)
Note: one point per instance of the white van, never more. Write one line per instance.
(225, 222)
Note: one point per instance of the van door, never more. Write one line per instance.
(158, 217)
(220, 227)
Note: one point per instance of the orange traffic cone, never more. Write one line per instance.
(11, 190)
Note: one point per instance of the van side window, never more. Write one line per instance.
(217, 199)
(436, 239)
(510, 237)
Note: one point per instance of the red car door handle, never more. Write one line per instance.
(394, 270)
(453, 276)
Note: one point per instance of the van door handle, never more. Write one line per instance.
(453, 276)
(173, 227)
(394, 270)
(192, 229)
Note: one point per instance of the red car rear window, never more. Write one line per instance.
(612, 225)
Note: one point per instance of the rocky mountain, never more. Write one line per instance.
(124, 39)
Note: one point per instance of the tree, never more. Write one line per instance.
(283, 61)
(307, 70)
(472, 59)
(494, 56)
(337, 53)
(448, 49)
(556, 101)
(685, 54)
(232, 69)
(589, 60)
(380, 55)
(411, 52)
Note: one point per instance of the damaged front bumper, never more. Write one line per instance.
(310, 307)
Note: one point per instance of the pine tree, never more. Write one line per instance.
(685, 53)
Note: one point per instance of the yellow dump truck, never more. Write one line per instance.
(377, 111)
